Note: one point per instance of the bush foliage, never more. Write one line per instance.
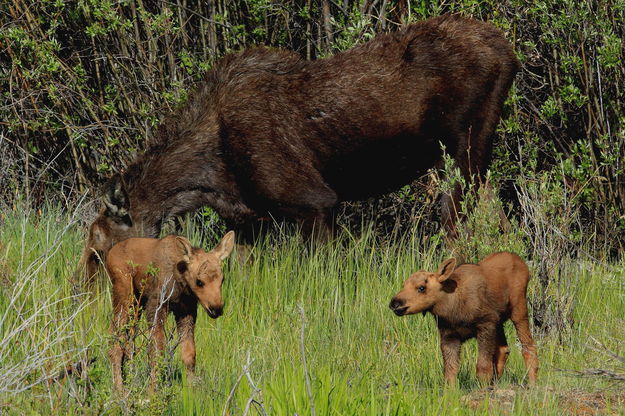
(84, 84)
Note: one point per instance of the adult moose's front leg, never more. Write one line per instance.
(318, 226)
(248, 232)
(299, 192)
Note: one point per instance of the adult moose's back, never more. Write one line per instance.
(268, 134)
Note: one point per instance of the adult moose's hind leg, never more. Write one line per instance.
(472, 157)
(501, 351)
(474, 132)
(450, 208)
(312, 205)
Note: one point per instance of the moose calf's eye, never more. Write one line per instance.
(199, 283)
(421, 289)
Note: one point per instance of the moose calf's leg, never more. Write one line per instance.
(450, 347)
(157, 344)
(186, 329)
(501, 351)
(521, 323)
(486, 344)
(117, 354)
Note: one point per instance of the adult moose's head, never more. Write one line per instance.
(267, 134)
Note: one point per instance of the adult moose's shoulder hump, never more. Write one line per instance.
(268, 134)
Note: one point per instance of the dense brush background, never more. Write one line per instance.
(84, 84)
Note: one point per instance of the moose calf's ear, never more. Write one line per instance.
(115, 198)
(225, 246)
(446, 269)
(185, 246)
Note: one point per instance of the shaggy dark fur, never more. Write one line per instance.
(267, 134)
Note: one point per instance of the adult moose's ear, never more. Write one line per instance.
(446, 269)
(115, 198)
(225, 246)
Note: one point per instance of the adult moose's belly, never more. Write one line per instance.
(380, 166)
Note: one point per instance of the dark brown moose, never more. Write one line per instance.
(267, 134)
(474, 300)
(162, 276)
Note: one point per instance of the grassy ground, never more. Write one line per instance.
(360, 358)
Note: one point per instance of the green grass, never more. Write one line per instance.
(361, 359)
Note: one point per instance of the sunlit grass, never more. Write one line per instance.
(361, 359)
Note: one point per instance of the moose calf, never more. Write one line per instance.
(474, 300)
(161, 276)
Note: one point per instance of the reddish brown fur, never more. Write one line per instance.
(162, 276)
(267, 134)
(474, 300)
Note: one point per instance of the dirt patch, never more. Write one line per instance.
(582, 403)
(574, 402)
(503, 397)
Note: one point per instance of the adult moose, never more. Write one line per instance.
(268, 134)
